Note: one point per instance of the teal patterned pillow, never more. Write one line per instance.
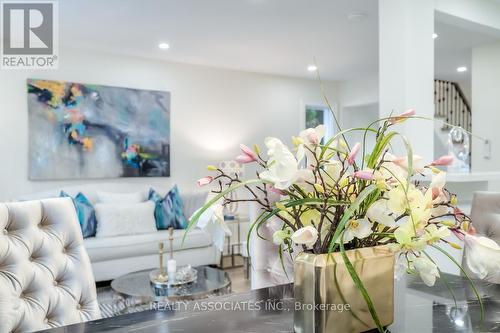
(169, 211)
(85, 212)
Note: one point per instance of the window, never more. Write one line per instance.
(320, 115)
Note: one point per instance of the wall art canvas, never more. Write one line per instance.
(82, 131)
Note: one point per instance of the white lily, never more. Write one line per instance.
(305, 236)
(483, 256)
(427, 270)
(360, 229)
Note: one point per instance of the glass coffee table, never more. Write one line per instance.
(134, 292)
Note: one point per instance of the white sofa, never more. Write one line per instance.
(115, 256)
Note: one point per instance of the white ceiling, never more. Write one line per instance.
(453, 48)
(269, 36)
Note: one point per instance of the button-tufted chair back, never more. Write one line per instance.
(45, 275)
(485, 216)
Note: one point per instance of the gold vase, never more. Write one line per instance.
(326, 298)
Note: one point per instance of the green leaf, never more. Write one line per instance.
(379, 148)
(473, 286)
(342, 297)
(251, 228)
(442, 278)
(359, 284)
(409, 154)
(280, 253)
(349, 213)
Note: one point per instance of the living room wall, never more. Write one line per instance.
(212, 111)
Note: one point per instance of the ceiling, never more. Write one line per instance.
(267, 36)
(453, 48)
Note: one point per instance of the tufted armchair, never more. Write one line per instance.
(45, 274)
(485, 216)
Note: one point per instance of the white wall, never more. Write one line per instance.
(486, 105)
(213, 110)
(360, 91)
(360, 116)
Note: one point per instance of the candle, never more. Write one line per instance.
(171, 269)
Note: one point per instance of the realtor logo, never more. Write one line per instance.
(29, 34)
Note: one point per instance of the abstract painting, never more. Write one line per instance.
(81, 131)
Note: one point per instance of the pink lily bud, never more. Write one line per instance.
(443, 161)
(353, 153)
(365, 175)
(242, 159)
(472, 231)
(458, 233)
(204, 181)
(274, 190)
(436, 192)
(248, 156)
(402, 117)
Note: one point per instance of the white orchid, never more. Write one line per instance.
(310, 188)
(283, 167)
(483, 256)
(331, 172)
(280, 236)
(305, 236)
(434, 234)
(215, 215)
(212, 221)
(417, 163)
(360, 229)
(427, 270)
(379, 212)
(406, 238)
(313, 136)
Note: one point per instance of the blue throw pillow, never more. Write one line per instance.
(169, 211)
(85, 212)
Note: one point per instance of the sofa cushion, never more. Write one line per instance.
(169, 210)
(124, 219)
(102, 249)
(129, 198)
(85, 212)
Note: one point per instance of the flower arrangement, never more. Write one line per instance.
(333, 197)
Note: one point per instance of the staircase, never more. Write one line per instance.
(451, 106)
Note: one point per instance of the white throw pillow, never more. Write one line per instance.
(125, 219)
(129, 198)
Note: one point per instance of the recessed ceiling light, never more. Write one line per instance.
(164, 46)
(312, 68)
(435, 35)
(462, 69)
(356, 16)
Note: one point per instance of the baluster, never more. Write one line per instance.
(448, 94)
